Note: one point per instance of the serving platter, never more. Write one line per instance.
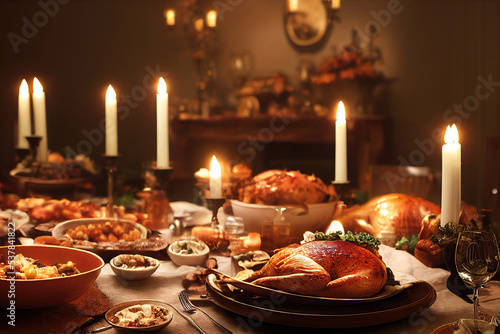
(150, 243)
(19, 218)
(414, 298)
(289, 297)
(61, 228)
(43, 185)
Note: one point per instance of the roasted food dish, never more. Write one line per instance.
(324, 268)
(140, 315)
(28, 268)
(128, 261)
(44, 210)
(389, 217)
(111, 231)
(426, 249)
(277, 187)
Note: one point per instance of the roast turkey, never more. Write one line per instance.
(278, 187)
(389, 217)
(324, 268)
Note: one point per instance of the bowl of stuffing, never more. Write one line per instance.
(134, 267)
(39, 276)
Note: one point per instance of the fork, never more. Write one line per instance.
(190, 308)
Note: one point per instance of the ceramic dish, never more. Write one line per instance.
(193, 259)
(289, 297)
(415, 298)
(112, 311)
(19, 218)
(311, 217)
(60, 230)
(41, 293)
(134, 273)
(467, 326)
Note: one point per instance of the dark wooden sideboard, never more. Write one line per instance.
(306, 143)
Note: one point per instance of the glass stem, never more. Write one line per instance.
(476, 302)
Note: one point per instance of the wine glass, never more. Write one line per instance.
(476, 259)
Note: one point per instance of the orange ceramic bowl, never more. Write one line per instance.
(41, 293)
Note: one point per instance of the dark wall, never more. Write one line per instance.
(434, 51)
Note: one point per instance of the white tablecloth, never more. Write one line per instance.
(166, 283)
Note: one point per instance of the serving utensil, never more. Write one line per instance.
(190, 308)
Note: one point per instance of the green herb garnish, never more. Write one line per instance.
(362, 239)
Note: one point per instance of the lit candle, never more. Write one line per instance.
(215, 179)
(170, 17)
(451, 177)
(335, 226)
(40, 118)
(24, 117)
(340, 145)
(111, 126)
(162, 153)
(293, 5)
(211, 19)
(335, 4)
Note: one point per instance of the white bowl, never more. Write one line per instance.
(188, 259)
(133, 274)
(318, 217)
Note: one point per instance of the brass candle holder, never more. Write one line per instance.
(214, 204)
(111, 166)
(344, 192)
(159, 210)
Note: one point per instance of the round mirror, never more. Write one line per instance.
(307, 24)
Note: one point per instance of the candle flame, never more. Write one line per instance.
(451, 135)
(335, 226)
(162, 86)
(211, 19)
(340, 116)
(37, 87)
(215, 170)
(23, 89)
(110, 94)
(170, 17)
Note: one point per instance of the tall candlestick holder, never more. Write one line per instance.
(214, 204)
(34, 142)
(160, 213)
(111, 166)
(21, 154)
(344, 192)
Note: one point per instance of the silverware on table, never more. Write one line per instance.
(190, 308)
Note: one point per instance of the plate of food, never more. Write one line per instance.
(93, 232)
(12, 220)
(329, 272)
(309, 204)
(108, 237)
(414, 298)
(140, 315)
(46, 276)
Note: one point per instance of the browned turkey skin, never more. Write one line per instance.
(324, 268)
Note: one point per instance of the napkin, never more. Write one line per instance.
(191, 213)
